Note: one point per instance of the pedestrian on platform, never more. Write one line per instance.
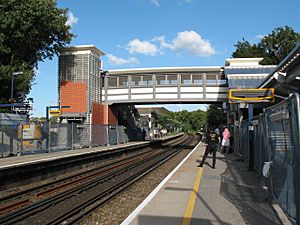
(225, 141)
(144, 135)
(212, 139)
(218, 132)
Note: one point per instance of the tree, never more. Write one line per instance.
(245, 50)
(30, 31)
(189, 121)
(215, 116)
(273, 47)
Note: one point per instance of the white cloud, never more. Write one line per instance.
(112, 59)
(142, 47)
(260, 36)
(188, 41)
(71, 19)
(192, 42)
(162, 42)
(155, 2)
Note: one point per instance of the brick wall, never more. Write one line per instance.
(73, 94)
(104, 114)
(99, 113)
(112, 116)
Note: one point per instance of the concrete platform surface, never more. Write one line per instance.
(17, 161)
(190, 195)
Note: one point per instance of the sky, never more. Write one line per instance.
(163, 33)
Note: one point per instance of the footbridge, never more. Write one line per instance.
(166, 85)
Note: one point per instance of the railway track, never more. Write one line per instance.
(76, 196)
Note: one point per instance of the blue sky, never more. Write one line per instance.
(160, 33)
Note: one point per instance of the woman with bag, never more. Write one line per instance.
(226, 141)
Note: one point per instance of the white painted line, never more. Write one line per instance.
(282, 216)
(131, 217)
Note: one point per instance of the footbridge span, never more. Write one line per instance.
(165, 85)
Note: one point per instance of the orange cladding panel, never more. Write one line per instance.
(73, 94)
(99, 113)
(112, 116)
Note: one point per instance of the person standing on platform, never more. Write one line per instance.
(218, 132)
(212, 139)
(225, 141)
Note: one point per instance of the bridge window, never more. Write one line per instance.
(113, 81)
(123, 81)
(136, 80)
(161, 80)
(186, 79)
(172, 79)
(197, 79)
(215, 79)
(147, 80)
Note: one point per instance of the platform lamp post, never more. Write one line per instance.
(47, 122)
(12, 87)
(104, 75)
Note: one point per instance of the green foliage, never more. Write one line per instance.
(30, 31)
(273, 47)
(245, 50)
(215, 116)
(189, 121)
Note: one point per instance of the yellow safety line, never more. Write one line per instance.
(193, 197)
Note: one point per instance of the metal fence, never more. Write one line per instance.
(276, 138)
(34, 138)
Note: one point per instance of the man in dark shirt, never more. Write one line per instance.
(212, 139)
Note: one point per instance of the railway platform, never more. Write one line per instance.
(190, 195)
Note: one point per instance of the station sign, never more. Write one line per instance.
(55, 112)
(253, 95)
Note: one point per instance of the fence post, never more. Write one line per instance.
(21, 151)
(107, 130)
(72, 136)
(2, 145)
(117, 133)
(49, 138)
(251, 150)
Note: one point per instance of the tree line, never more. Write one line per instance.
(194, 121)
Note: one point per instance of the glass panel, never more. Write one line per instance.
(161, 80)
(186, 79)
(147, 80)
(172, 79)
(136, 80)
(112, 81)
(123, 81)
(211, 79)
(197, 79)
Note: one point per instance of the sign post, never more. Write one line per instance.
(54, 111)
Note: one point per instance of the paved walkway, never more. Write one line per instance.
(229, 194)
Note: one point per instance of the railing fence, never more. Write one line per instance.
(276, 139)
(33, 138)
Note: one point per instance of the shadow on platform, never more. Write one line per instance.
(244, 189)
